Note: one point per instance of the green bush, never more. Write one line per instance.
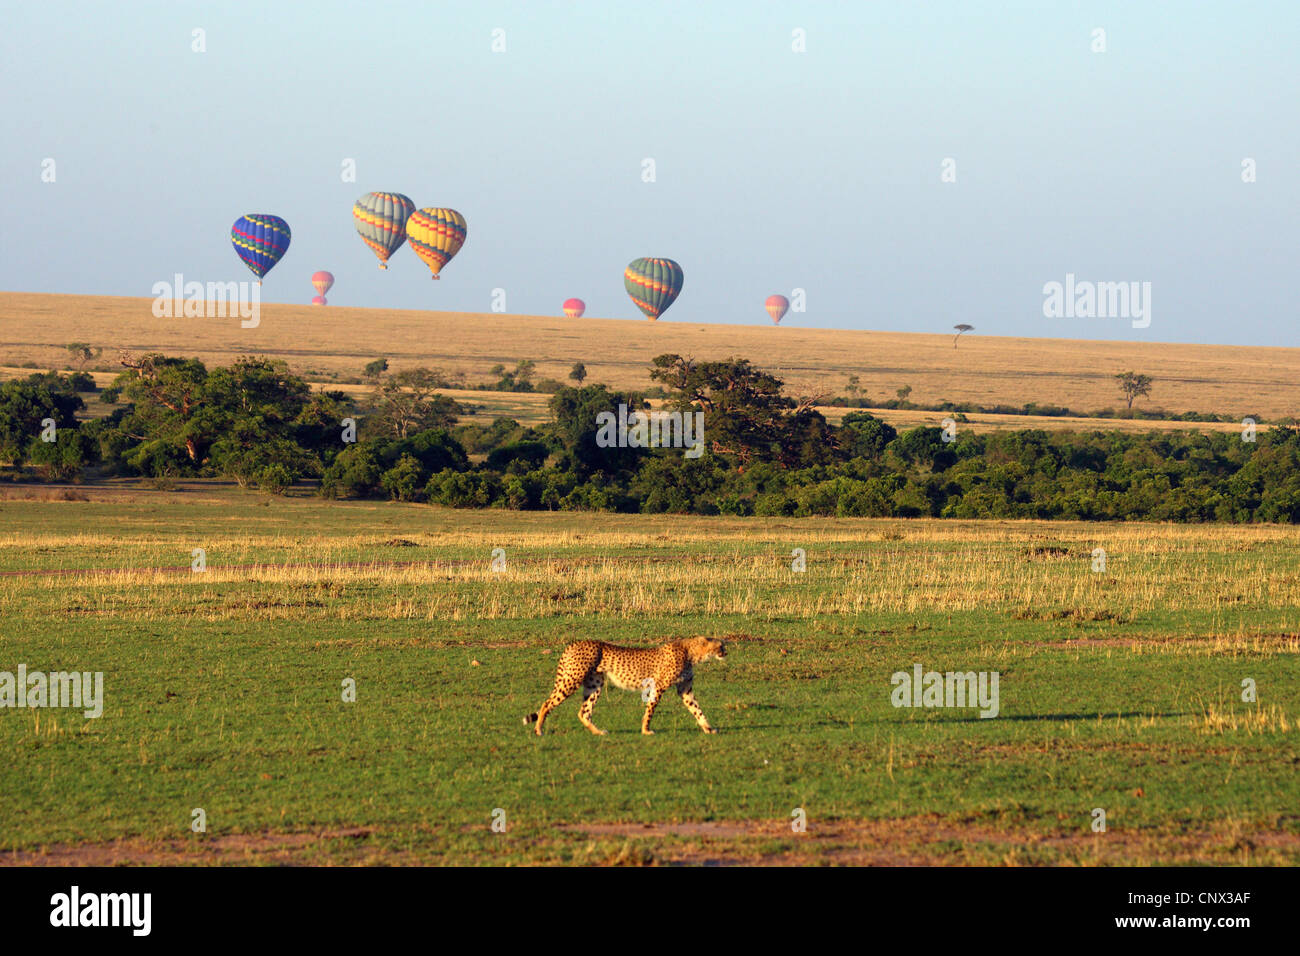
(355, 472)
(405, 480)
(275, 479)
(458, 489)
(64, 459)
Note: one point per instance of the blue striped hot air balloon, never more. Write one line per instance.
(261, 241)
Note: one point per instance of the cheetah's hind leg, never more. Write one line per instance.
(578, 662)
(591, 687)
(563, 688)
(652, 701)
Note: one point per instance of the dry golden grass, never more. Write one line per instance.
(1221, 718)
(329, 343)
(438, 569)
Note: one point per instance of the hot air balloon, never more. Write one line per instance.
(574, 308)
(260, 240)
(436, 235)
(381, 222)
(776, 306)
(653, 284)
(323, 281)
(319, 300)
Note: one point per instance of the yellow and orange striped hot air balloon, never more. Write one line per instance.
(436, 235)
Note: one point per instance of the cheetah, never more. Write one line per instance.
(651, 670)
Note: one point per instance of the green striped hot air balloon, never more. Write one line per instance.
(653, 284)
(381, 222)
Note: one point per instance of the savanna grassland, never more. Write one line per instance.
(334, 343)
(1119, 690)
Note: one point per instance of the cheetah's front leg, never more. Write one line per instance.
(688, 698)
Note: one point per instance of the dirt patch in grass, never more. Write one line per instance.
(236, 848)
(934, 841)
(1077, 614)
(1075, 643)
(903, 841)
(1043, 552)
(711, 828)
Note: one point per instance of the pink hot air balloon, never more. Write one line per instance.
(319, 300)
(776, 306)
(574, 308)
(323, 281)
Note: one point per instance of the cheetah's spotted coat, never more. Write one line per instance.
(651, 670)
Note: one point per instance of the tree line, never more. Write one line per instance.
(767, 453)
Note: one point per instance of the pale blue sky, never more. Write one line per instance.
(776, 169)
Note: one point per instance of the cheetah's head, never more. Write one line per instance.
(707, 648)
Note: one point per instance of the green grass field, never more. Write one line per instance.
(1118, 690)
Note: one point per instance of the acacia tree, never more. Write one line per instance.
(519, 380)
(164, 394)
(1131, 384)
(254, 406)
(407, 402)
(746, 418)
(82, 352)
(963, 327)
(576, 413)
(238, 421)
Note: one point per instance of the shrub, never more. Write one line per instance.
(405, 480)
(275, 479)
(355, 472)
(530, 453)
(460, 489)
(65, 458)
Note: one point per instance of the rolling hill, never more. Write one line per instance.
(332, 344)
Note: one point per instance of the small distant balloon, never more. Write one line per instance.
(323, 281)
(776, 306)
(653, 284)
(261, 241)
(574, 308)
(319, 300)
(436, 235)
(381, 222)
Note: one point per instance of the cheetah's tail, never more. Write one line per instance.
(530, 719)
